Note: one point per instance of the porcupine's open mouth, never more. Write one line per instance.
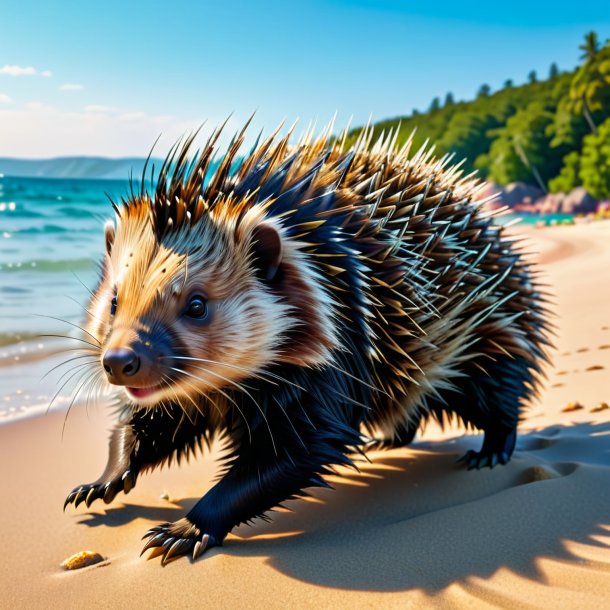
(142, 393)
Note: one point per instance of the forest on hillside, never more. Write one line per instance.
(552, 132)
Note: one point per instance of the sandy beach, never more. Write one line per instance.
(411, 530)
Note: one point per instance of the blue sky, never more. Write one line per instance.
(110, 76)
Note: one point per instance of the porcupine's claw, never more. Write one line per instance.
(173, 540)
(105, 490)
(496, 449)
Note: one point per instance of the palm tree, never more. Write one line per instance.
(590, 47)
(589, 85)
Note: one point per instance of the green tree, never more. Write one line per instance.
(590, 47)
(590, 86)
(532, 77)
(553, 71)
(484, 91)
(467, 136)
(595, 162)
(568, 177)
(520, 151)
(508, 83)
(449, 100)
(435, 104)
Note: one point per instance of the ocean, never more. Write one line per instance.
(51, 239)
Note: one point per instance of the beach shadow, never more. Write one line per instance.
(126, 513)
(414, 519)
(420, 522)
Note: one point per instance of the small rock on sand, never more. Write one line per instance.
(81, 560)
(573, 406)
(595, 367)
(164, 495)
(602, 406)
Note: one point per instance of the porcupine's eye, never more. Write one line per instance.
(197, 308)
(113, 305)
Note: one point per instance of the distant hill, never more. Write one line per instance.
(75, 167)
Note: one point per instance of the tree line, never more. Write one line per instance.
(552, 132)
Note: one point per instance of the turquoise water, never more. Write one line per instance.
(50, 238)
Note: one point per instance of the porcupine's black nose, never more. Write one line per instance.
(120, 363)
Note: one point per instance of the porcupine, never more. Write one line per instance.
(297, 301)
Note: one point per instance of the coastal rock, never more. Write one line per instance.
(578, 201)
(520, 193)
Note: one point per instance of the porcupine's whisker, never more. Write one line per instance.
(63, 363)
(195, 403)
(173, 391)
(82, 307)
(84, 350)
(263, 373)
(83, 284)
(74, 371)
(73, 399)
(84, 384)
(74, 368)
(97, 347)
(93, 389)
(220, 392)
(39, 315)
(259, 375)
(242, 388)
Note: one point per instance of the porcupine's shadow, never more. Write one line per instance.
(126, 513)
(416, 520)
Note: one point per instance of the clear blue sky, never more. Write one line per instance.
(122, 72)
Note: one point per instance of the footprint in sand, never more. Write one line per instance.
(573, 406)
(605, 346)
(535, 442)
(562, 373)
(595, 367)
(545, 472)
(558, 385)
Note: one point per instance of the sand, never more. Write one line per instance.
(411, 530)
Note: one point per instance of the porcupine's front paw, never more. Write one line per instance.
(498, 446)
(172, 540)
(106, 489)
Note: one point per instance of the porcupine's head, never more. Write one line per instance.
(201, 289)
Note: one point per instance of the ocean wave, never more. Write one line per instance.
(50, 266)
(43, 229)
(76, 212)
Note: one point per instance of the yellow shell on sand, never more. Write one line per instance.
(81, 560)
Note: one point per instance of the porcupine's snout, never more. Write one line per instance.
(121, 363)
(133, 360)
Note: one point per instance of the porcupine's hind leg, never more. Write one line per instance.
(491, 402)
(403, 435)
(144, 441)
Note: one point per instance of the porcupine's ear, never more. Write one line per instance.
(109, 236)
(267, 251)
(287, 273)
